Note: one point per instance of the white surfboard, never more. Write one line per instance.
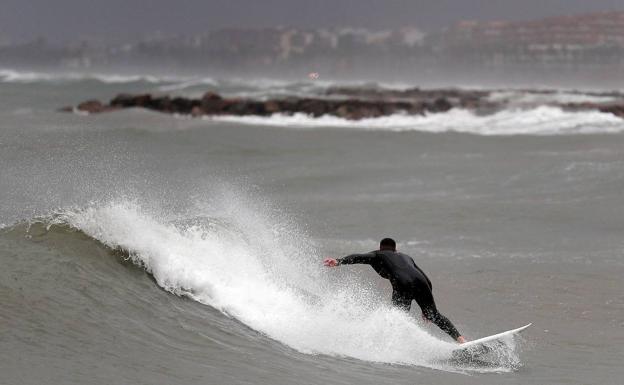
(481, 342)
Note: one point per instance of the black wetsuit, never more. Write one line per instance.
(408, 283)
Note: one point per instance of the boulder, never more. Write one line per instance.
(343, 112)
(314, 107)
(615, 109)
(441, 105)
(123, 100)
(212, 103)
(162, 104)
(271, 107)
(246, 107)
(196, 111)
(91, 107)
(182, 105)
(211, 96)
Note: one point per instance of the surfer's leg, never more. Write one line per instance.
(430, 311)
(433, 315)
(402, 300)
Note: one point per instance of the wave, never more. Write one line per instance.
(258, 88)
(542, 120)
(523, 98)
(170, 83)
(241, 87)
(13, 76)
(268, 278)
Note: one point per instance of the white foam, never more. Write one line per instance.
(13, 76)
(523, 98)
(183, 84)
(542, 120)
(249, 269)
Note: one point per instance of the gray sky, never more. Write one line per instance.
(127, 19)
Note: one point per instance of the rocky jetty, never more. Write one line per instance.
(348, 103)
(214, 104)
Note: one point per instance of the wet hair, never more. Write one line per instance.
(387, 243)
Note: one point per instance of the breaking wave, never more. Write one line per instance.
(542, 120)
(13, 76)
(528, 99)
(268, 277)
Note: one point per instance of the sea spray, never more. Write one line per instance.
(227, 264)
(542, 120)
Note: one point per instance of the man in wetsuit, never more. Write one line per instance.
(408, 282)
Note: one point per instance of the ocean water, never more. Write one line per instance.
(144, 248)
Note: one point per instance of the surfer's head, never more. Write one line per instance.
(387, 244)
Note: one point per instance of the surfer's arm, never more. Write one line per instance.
(368, 259)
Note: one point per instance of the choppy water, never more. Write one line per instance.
(144, 248)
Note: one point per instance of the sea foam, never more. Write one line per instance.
(265, 276)
(14, 76)
(542, 120)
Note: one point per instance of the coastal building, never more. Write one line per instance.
(573, 42)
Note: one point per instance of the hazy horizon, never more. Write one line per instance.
(68, 20)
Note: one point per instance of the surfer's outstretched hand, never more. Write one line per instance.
(330, 262)
(461, 339)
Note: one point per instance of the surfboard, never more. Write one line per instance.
(481, 344)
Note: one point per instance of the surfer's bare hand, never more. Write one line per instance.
(461, 339)
(330, 262)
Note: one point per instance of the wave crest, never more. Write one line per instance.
(542, 120)
(13, 76)
(245, 266)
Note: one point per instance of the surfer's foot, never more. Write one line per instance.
(461, 339)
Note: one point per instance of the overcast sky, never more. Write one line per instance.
(127, 19)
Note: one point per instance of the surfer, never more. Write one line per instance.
(408, 281)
